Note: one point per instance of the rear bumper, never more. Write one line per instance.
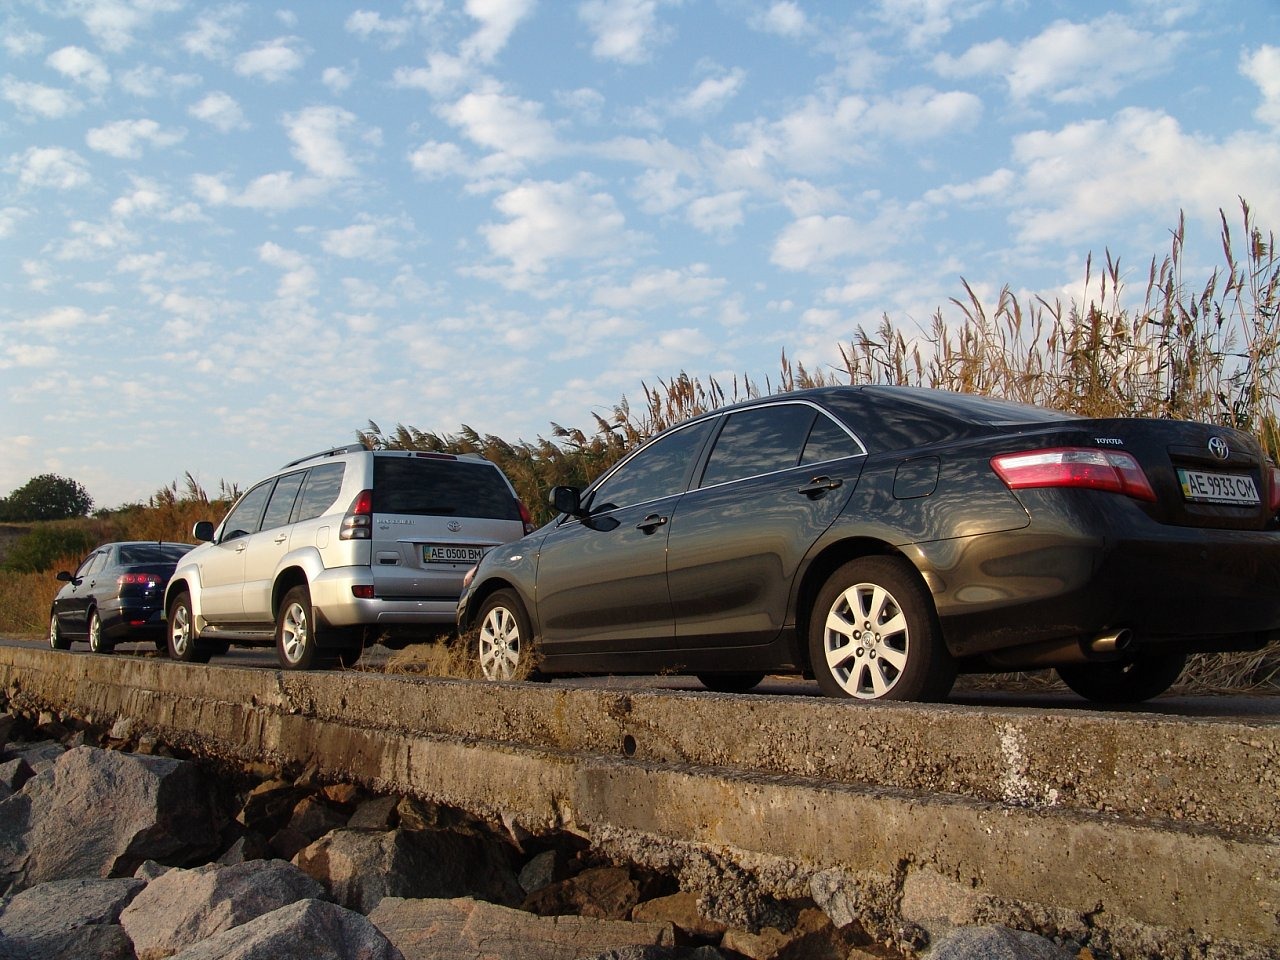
(132, 620)
(1191, 588)
(337, 606)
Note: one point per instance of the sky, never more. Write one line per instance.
(232, 234)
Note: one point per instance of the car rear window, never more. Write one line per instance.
(441, 488)
(153, 552)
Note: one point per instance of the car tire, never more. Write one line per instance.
(296, 632)
(98, 643)
(874, 635)
(184, 640)
(1141, 678)
(57, 639)
(730, 682)
(504, 643)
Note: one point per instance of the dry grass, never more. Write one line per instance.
(449, 656)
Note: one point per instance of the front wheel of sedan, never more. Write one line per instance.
(97, 643)
(505, 641)
(1146, 676)
(57, 639)
(874, 635)
(184, 642)
(295, 631)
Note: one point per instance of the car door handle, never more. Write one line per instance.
(818, 487)
(282, 538)
(651, 523)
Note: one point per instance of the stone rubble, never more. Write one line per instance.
(112, 849)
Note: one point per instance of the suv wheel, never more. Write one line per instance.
(184, 642)
(295, 631)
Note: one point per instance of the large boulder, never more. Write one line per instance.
(995, 943)
(465, 928)
(183, 907)
(306, 930)
(360, 867)
(100, 813)
(68, 918)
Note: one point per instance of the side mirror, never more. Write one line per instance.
(65, 577)
(203, 531)
(567, 500)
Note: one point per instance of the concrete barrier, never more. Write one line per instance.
(1140, 825)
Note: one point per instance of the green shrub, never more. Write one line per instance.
(46, 497)
(40, 549)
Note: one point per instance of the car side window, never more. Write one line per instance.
(245, 515)
(758, 441)
(828, 441)
(88, 564)
(323, 485)
(282, 499)
(657, 471)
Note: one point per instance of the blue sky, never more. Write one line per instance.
(232, 234)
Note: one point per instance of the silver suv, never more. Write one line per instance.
(337, 550)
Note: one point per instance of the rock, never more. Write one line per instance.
(7, 723)
(313, 818)
(40, 756)
(813, 937)
(269, 806)
(68, 919)
(306, 930)
(251, 845)
(995, 943)
(184, 907)
(345, 795)
(122, 729)
(287, 843)
(100, 813)
(149, 870)
(376, 814)
(463, 929)
(541, 871)
(14, 774)
(681, 911)
(604, 893)
(360, 867)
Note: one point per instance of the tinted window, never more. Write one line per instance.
(322, 488)
(658, 470)
(759, 441)
(281, 503)
(441, 488)
(152, 552)
(92, 563)
(828, 441)
(244, 516)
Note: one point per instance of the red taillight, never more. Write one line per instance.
(1272, 476)
(526, 516)
(363, 591)
(1109, 470)
(137, 579)
(358, 523)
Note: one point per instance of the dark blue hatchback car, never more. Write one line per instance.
(116, 594)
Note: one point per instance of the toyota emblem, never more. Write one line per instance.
(455, 526)
(1218, 447)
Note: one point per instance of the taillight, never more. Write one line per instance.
(1109, 470)
(137, 579)
(362, 591)
(526, 516)
(1272, 477)
(358, 523)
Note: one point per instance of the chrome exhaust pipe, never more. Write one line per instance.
(1113, 641)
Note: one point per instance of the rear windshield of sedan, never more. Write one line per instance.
(441, 488)
(153, 552)
(974, 409)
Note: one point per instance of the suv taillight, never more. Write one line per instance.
(358, 523)
(526, 517)
(1271, 474)
(1084, 467)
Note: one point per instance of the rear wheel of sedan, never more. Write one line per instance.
(730, 682)
(1145, 676)
(874, 635)
(295, 631)
(184, 643)
(57, 639)
(504, 645)
(97, 643)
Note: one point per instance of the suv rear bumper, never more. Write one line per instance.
(337, 606)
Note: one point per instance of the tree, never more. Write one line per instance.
(46, 497)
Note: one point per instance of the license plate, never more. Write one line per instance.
(451, 553)
(1204, 487)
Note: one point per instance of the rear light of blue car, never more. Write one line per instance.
(1081, 467)
(358, 523)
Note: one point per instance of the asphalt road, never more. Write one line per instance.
(975, 691)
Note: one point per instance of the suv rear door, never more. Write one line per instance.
(434, 516)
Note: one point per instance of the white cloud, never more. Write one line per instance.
(60, 319)
(920, 113)
(710, 95)
(993, 186)
(81, 66)
(360, 241)
(272, 61)
(810, 242)
(506, 124)
(924, 22)
(147, 81)
(18, 41)
(213, 33)
(114, 22)
(785, 18)
(719, 214)
(656, 289)
(368, 24)
(35, 99)
(219, 110)
(1077, 181)
(87, 240)
(442, 75)
(53, 167)
(28, 355)
(1070, 62)
(271, 191)
(124, 138)
(624, 30)
(298, 279)
(338, 79)
(10, 217)
(1262, 66)
(659, 191)
(317, 134)
(434, 160)
(498, 20)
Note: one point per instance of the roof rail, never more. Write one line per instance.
(331, 452)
